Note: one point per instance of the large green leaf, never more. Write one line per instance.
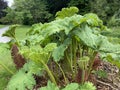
(112, 58)
(50, 86)
(87, 36)
(46, 30)
(96, 41)
(37, 53)
(50, 47)
(34, 68)
(58, 53)
(21, 81)
(40, 32)
(66, 12)
(7, 67)
(93, 20)
(87, 86)
(72, 86)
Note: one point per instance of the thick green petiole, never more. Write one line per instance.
(74, 56)
(49, 73)
(91, 63)
(83, 76)
(66, 80)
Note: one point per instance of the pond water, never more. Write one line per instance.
(4, 39)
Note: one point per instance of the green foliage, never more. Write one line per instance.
(115, 19)
(16, 32)
(113, 36)
(40, 56)
(96, 41)
(83, 5)
(2, 7)
(22, 80)
(112, 58)
(50, 86)
(70, 42)
(20, 32)
(54, 6)
(105, 9)
(32, 11)
(4, 78)
(83, 62)
(37, 53)
(14, 17)
(7, 67)
(2, 26)
(58, 53)
(101, 73)
(66, 12)
(4, 51)
(71, 34)
(112, 21)
(98, 6)
(11, 32)
(71, 86)
(27, 12)
(87, 86)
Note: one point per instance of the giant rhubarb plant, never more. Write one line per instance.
(71, 42)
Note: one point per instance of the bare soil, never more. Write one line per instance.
(112, 82)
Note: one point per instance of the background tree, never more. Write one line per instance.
(56, 5)
(3, 5)
(28, 12)
(105, 9)
(83, 5)
(35, 11)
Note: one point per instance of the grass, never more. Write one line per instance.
(21, 32)
(1, 26)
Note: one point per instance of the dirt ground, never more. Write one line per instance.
(112, 81)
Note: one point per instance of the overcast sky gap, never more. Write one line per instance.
(9, 2)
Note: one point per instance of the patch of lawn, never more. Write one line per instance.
(21, 32)
(1, 26)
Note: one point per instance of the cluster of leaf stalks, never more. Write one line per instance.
(78, 61)
(65, 47)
